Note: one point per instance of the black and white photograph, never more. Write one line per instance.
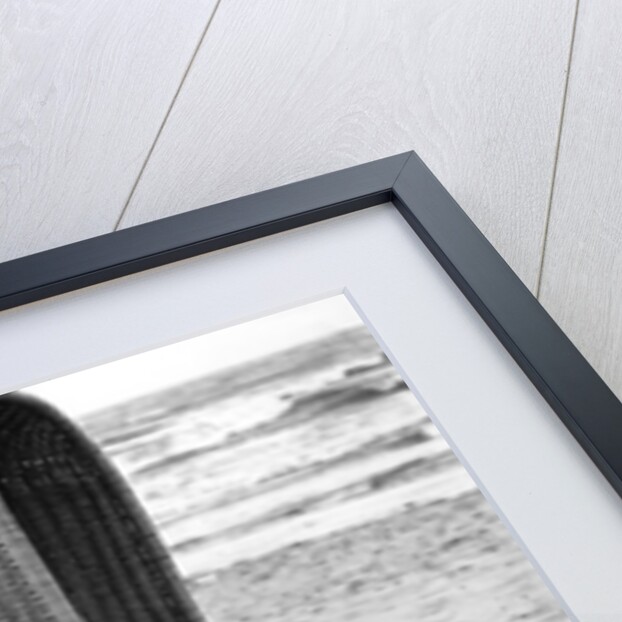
(289, 473)
(310, 311)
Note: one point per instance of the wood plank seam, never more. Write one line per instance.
(167, 115)
(547, 217)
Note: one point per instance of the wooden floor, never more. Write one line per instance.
(113, 114)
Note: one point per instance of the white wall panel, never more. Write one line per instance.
(582, 276)
(84, 87)
(285, 90)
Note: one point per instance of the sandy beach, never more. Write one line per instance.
(310, 485)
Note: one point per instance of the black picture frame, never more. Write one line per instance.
(573, 389)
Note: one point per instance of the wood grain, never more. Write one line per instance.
(582, 275)
(279, 92)
(84, 87)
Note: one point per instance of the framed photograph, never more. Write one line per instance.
(333, 400)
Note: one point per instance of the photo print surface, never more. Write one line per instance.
(293, 476)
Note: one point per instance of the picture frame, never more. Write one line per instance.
(581, 399)
(571, 388)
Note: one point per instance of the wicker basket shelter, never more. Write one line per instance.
(75, 545)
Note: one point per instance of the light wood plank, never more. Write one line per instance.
(84, 87)
(282, 91)
(582, 276)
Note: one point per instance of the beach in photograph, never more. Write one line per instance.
(309, 485)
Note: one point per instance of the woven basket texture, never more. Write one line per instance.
(28, 592)
(75, 544)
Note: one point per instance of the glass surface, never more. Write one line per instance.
(294, 476)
